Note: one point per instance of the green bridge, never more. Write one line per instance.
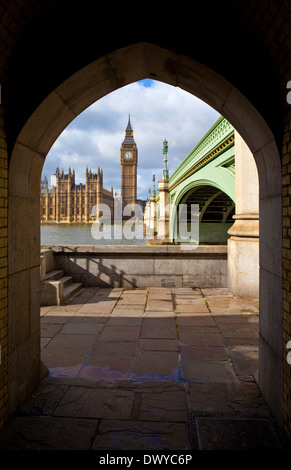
(206, 177)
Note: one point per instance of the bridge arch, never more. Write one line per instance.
(205, 193)
(61, 104)
(192, 184)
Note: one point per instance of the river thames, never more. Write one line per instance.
(90, 234)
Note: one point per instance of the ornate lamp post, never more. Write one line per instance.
(165, 151)
(154, 184)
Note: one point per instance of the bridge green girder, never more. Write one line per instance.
(210, 164)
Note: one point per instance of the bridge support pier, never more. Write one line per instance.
(152, 216)
(164, 215)
(243, 244)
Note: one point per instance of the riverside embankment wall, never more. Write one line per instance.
(143, 266)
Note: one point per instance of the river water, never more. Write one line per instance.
(91, 234)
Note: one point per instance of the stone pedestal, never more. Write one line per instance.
(146, 217)
(164, 213)
(152, 218)
(243, 244)
(243, 256)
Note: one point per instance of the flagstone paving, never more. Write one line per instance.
(148, 369)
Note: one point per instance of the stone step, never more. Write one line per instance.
(57, 287)
(66, 280)
(71, 290)
(54, 275)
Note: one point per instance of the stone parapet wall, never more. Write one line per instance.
(144, 266)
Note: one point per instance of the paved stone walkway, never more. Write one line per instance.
(147, 369)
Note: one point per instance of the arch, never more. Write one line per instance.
(121, 67)
(208, 203)
(192, 184)
(214, 192)
(209, 175)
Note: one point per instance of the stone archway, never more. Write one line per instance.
(42, 128)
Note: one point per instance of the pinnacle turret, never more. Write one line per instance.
(129, 133)
(129, 127)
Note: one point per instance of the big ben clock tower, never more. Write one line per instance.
(128, 161)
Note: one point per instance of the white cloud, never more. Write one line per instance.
(94, 138)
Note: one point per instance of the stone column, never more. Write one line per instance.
(243, 244)
(86, 199)
(146, 217)
(153, 219)
(54, 204)
(99, 193)
(75, 205)
(69, 203)
(58, 215)
(81, 205)
(47, 205)
(164, 214)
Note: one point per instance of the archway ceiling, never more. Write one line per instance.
(57, 39)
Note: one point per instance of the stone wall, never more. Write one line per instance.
(144, 266)
(3, 274)
(34, 35)
(286, 199)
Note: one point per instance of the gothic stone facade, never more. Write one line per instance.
(68, 202)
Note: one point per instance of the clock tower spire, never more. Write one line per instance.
(128, 161)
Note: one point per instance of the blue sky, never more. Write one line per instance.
(157, 111)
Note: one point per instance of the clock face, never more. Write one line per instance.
(128, 155)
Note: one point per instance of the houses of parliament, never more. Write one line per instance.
(68, 202)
